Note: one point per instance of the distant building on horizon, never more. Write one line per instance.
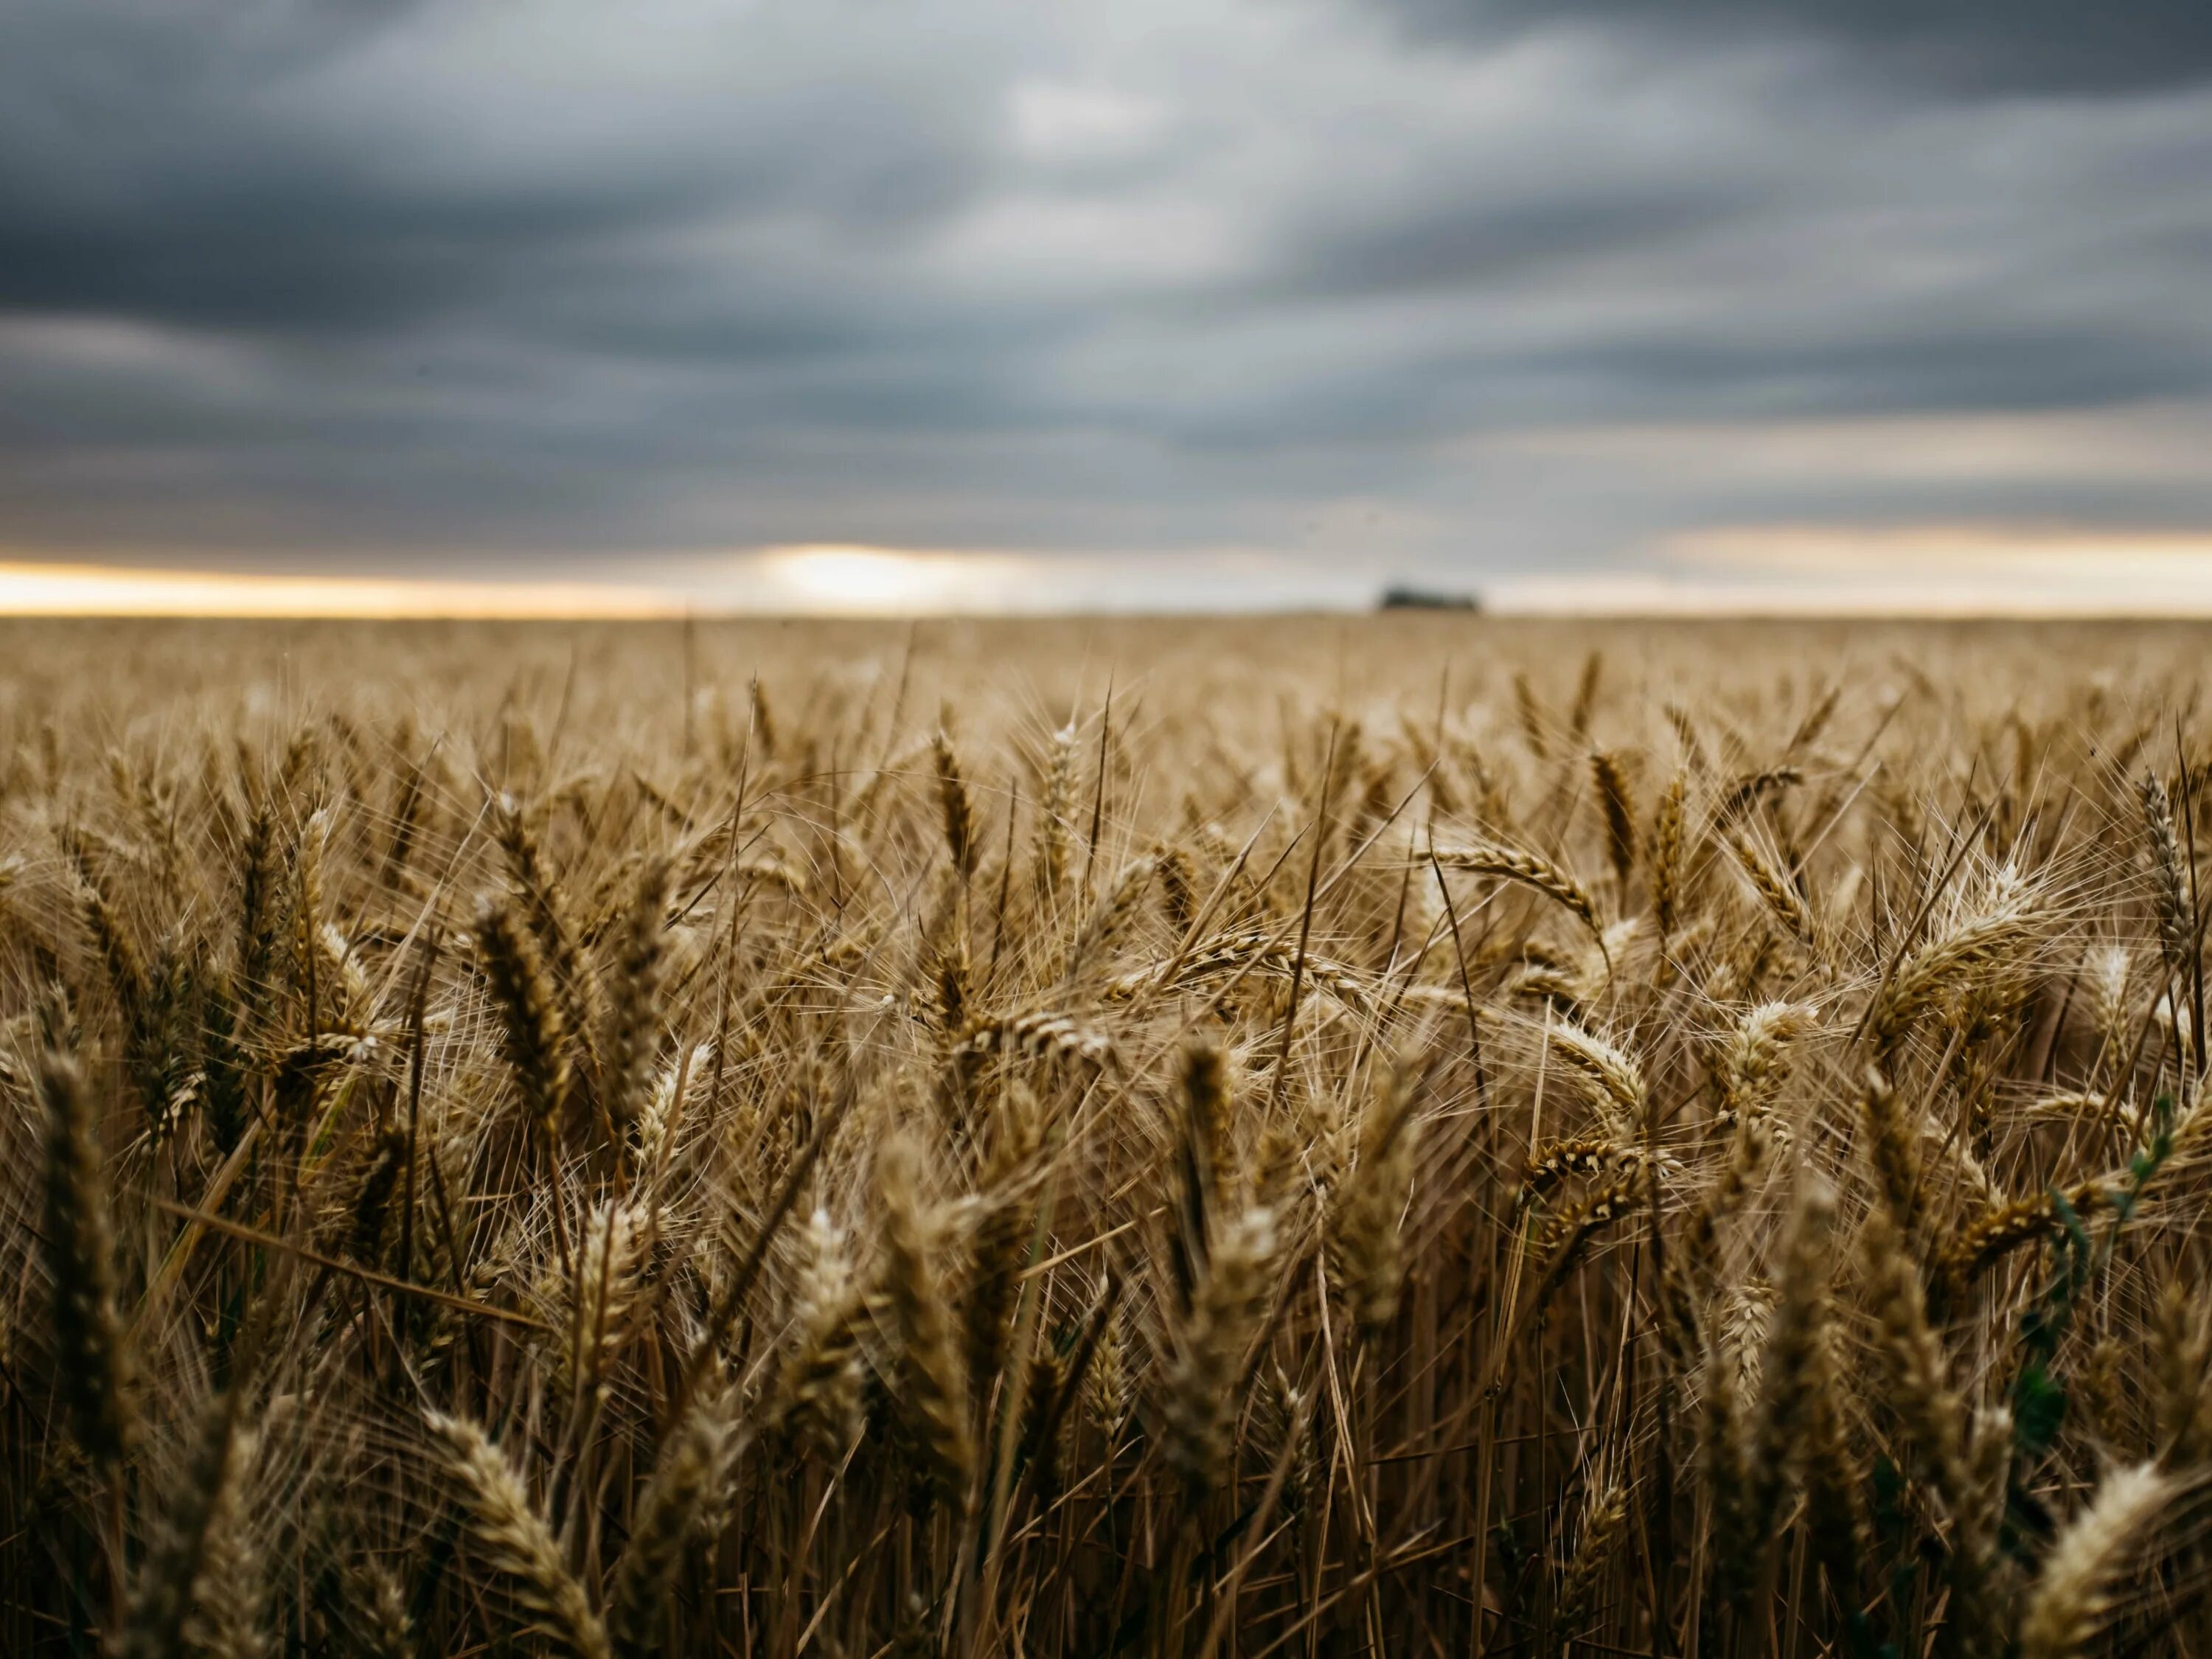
(1400, 597)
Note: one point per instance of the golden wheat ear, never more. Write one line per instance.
(377, 1624)
(1777, 891)
(681, 1507)
(535, 1029)
(1054, 837)
(2169, 881)
(1618, 803)
(817, 1401)
(999, 1239)
(2073, 1594)
(91, 1344)
(1984, 934)
(1208, 1340)
(1608, 1075)
(230, 1593)
(633, 1012)
(1755, 1059)
(1790, 1374)
(1667, 861)
(1364, 1231)
(162, 1599)
(1527, 869)
(1913, 1357)
(545, 907)
(515, 1542)
(2183, 1372)
(932, 1385)
(1603, 1527)
(959, 815)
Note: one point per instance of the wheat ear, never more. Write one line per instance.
(1912, 1360)
(999, 1247)
(1619, 808)
(1667, 851)
(1053, 838)
(634, 1012)
(1789, 1375)
(933, 1391)
(1208, 1337)
(1755, 1059)
(546, 906)
(90, 1343)
(1364, 1237)
(1775, 892)
(226, 1620)
(2168, 880)
(161, 1600)
(535, 1029)
(818, 1391)
(517, 1542)
(1527, 869)
(1603, 1530)
(1985, 936)
(953, 799)
(1609, 1076)
(680, 1505)
(2074, 1592)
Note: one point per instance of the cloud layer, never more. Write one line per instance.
(1400, 286)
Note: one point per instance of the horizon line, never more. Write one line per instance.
(1720, 580)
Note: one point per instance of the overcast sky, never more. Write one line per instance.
(1149, 302)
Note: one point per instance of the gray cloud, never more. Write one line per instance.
(365, 284)
(1412, 246)
(1979, 46)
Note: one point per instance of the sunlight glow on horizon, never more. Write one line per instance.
(848, 580)
(1815, 570)
(30, 589)
(1949, 570)
(808, 579)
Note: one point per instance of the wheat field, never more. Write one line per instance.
(1405, 1135)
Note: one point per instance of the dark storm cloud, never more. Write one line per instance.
(170, 162)
(1982, 46)
(282, 281)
